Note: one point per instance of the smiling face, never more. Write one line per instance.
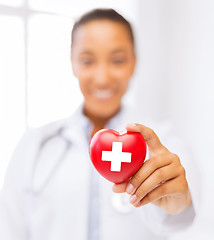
(103, 60)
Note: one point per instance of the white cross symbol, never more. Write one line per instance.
(116, 156)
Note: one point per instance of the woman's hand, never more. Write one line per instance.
(161, 179)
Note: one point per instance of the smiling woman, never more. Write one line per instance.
(103, 60)
(51, 190)
(37, 62)
(174, 80)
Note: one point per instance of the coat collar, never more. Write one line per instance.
(78, 127)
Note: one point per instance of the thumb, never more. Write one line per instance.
(148, 134)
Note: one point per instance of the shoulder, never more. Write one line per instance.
(164, 128)
(55, 126)
(24, 155)
(32, 139)
(50, 129)
(131, 113)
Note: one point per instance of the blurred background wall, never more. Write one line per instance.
(175, 73)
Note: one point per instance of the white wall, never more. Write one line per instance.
(176, 75)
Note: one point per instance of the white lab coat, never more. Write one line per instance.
(46, 190)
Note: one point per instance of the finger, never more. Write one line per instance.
(159, 177)
(163, 190)
(120, 187)
(146, 170)
(148, 134)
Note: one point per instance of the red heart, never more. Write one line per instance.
(117, 156)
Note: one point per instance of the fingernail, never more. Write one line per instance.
(133, 199)
(139, 204)
(130, 189)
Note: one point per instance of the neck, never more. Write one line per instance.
(97, 121)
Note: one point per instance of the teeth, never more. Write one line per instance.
(103, 94)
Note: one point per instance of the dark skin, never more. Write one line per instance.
(98, 122)
(161, 180)
(103, 61)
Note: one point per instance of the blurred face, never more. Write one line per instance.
(103, 60)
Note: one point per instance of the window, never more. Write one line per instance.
(53, 92)
(36, 81)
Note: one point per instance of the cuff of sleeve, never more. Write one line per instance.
(163, 223)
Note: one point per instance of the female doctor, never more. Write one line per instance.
(51, 190)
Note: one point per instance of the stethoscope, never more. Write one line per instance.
(59, 157)
(119, 202)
